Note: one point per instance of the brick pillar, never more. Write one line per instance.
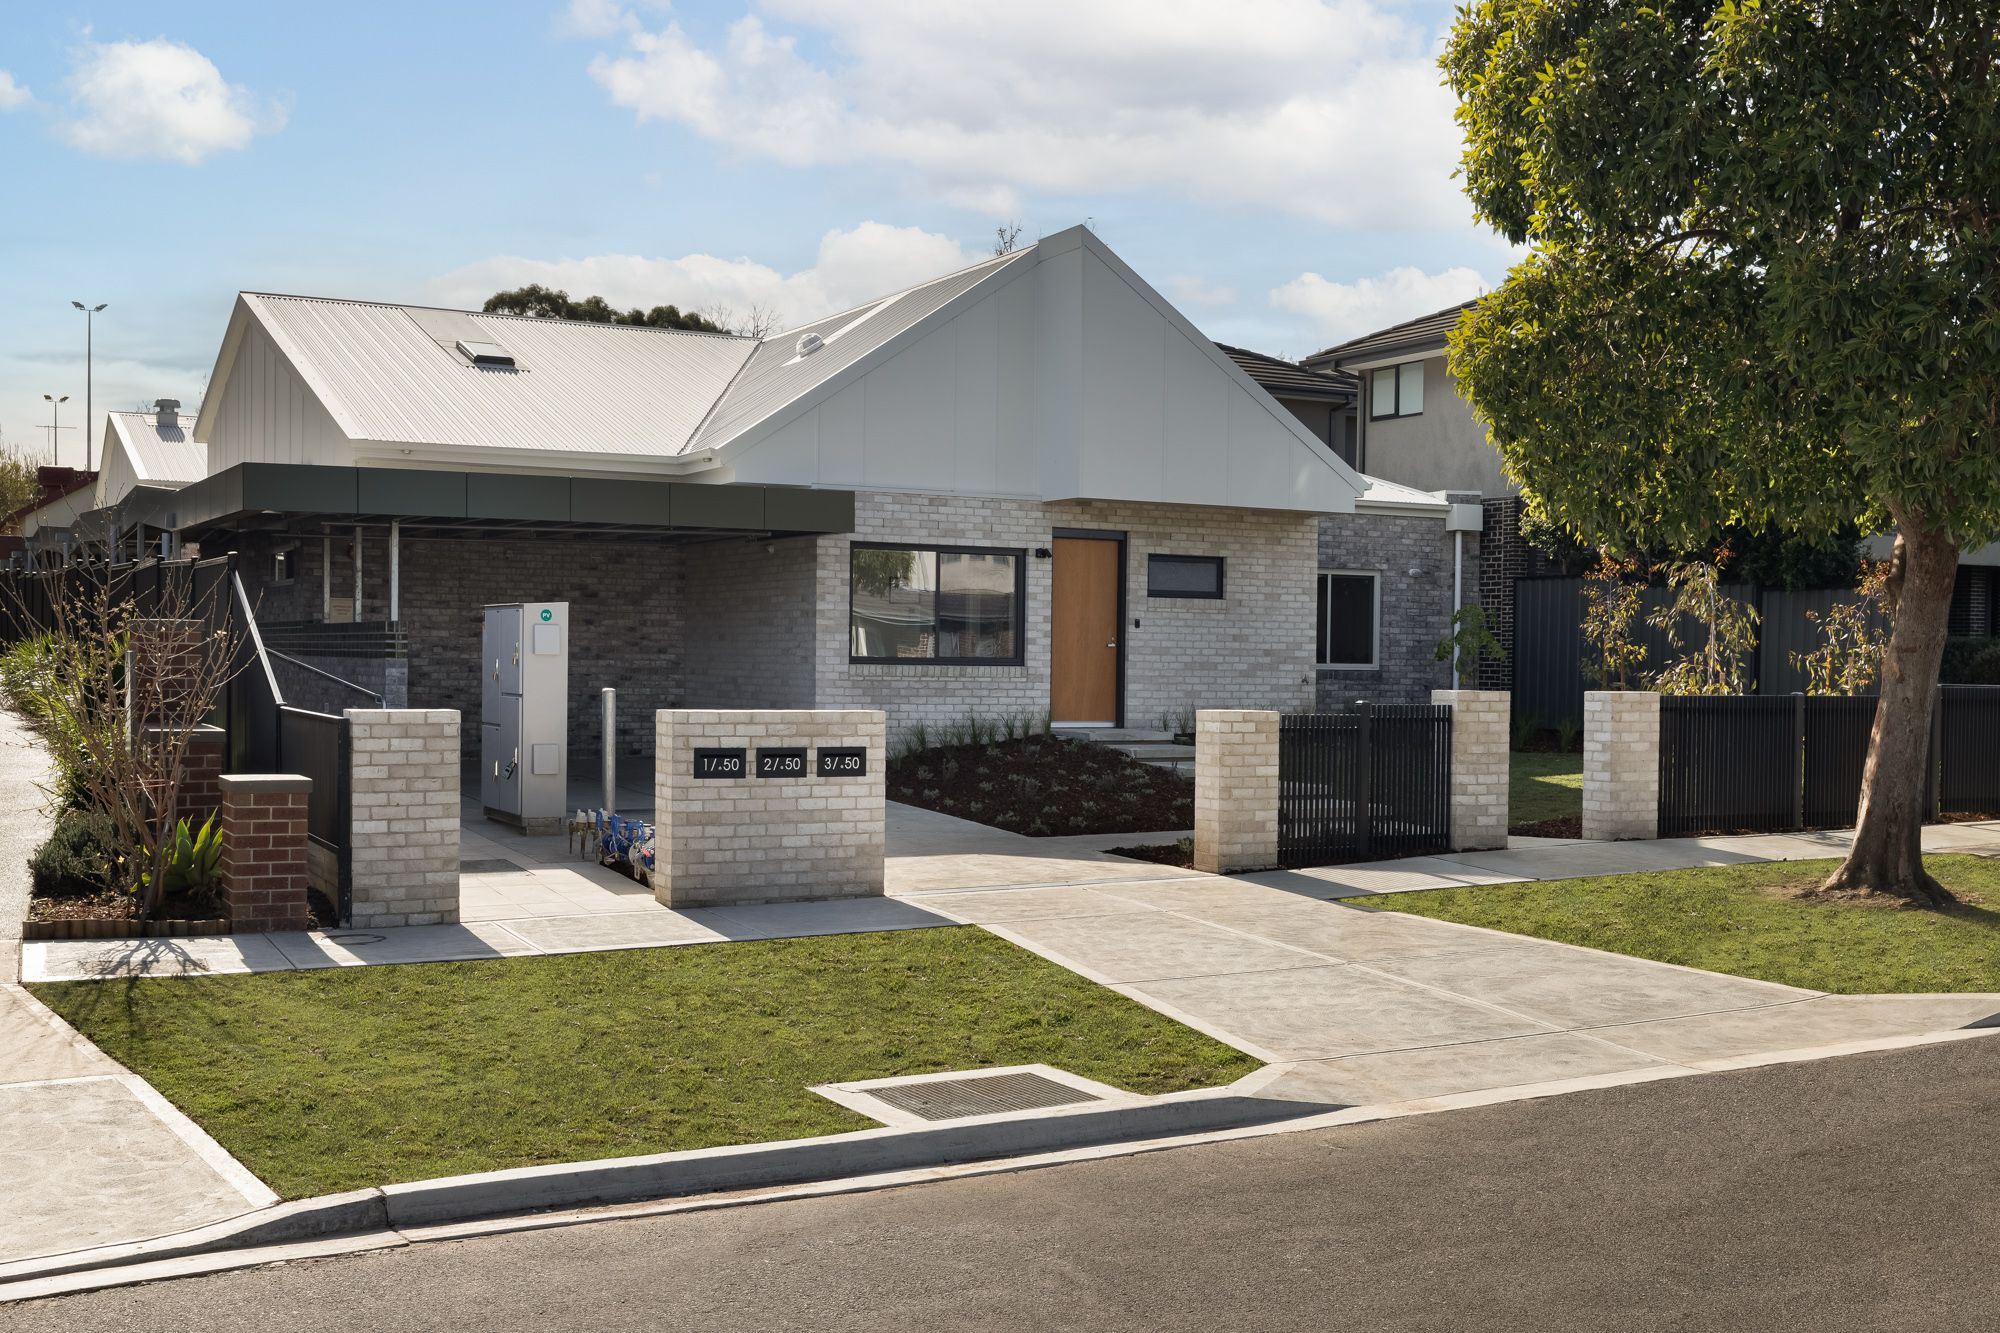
(403, 794)
(1479, 767)
(1235, 789)
(201, 774)
(737, 833)
(1621, 764)
(263, 868)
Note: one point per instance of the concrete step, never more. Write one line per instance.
(1114, 735)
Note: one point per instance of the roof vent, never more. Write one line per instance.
(486, 354)
(167, 413)
(810, 343)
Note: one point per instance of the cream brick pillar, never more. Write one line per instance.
(1235, 789)
(1621, 764)
(767, 805)
(403, 836)
(1479, 762)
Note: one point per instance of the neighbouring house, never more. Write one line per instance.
(1029, 487)
(55, 526)
(147, 456)
(1322, 399)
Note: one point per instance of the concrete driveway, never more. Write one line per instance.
(1357, 1007)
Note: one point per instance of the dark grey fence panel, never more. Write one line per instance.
(1836, 748)
(1373, 782)
(1728, 763)
(1968, 734)
(315, 745)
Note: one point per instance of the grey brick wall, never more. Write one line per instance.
(750, 622)
(1252, 648)
(1414, 559)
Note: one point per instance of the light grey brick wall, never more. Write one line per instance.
(752, 839)
(750, 619)
(1416, 606)
(1252, 647)
(404, 797)
(1621, 764)
(1479, 766)
(1235, 790)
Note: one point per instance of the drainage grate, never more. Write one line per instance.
(495, 867)
(986, 1094)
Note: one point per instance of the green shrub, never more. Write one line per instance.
(1527, 730)
(194, 861)
(1970, 661)
(78, 858)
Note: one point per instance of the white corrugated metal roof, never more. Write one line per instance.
(392, 373)
(161, 456)
(778, 374)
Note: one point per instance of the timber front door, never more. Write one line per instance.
(1085, 623)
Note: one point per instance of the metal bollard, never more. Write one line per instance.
(609, 699)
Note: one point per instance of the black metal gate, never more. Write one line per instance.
(315, 745)
(1375, 782)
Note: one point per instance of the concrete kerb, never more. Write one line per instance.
(700, 1171)
(308, 1233)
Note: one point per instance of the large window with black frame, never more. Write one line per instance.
(949, 604)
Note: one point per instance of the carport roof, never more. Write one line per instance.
(266, 494)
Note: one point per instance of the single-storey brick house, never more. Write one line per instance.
(1028, 487)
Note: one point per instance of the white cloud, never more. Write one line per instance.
(12, 94)
(1328, 108)
(1335, 311)
(595, 18)
(852, 266)
(160, 98)
(1199, 291)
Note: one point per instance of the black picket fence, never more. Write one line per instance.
(1374, 782)
(1738, 763)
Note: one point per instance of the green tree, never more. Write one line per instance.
(554, 303)
(1761, 290)
(1718, 661)
(20, 487)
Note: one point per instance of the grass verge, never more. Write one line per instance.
(338, 1079)
(1743, 920)
(1544, 788)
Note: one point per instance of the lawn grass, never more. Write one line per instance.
(348, 1077)
(1543, 787)
(1739, 919)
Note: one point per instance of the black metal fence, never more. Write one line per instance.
(1743, 763)
(315, 745)
(1375, 782)
(1551, 662)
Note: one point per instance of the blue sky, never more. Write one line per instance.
(1279, 168)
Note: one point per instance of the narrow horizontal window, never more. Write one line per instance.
(934, 604)
(1184, 576)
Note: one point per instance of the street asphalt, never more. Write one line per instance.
(1855, 1193)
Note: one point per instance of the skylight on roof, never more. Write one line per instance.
(486, 354)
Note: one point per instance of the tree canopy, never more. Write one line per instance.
(1765, 236)
(552, 303)
(1761, 292)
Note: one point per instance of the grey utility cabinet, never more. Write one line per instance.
(524, 715)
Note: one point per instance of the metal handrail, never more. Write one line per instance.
(324, 674)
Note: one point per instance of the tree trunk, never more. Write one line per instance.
(1887, 856)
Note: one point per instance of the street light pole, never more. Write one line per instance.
(89, 320)
(55, 426)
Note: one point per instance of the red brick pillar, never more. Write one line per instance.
(264, 851)
(201, 775)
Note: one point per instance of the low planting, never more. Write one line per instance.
(1043, 787)
(348, 1077)
(1754, 921)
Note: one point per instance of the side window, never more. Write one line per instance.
(1348, 611)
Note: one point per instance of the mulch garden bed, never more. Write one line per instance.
(109, 916)
(1044, 787)
(1161, 854)
(1569, 826)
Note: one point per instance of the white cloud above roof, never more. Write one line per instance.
(1329, 110)
(1334, 311)
(853, 265)
(13, 94)
(160, 99)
